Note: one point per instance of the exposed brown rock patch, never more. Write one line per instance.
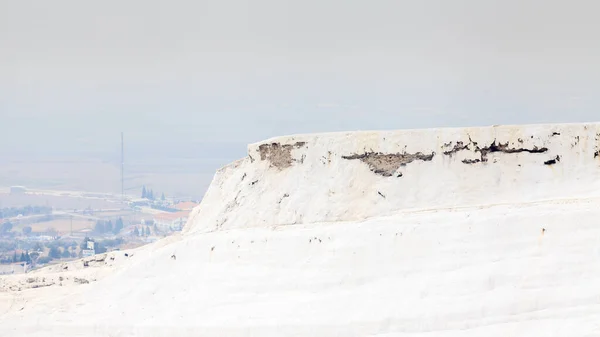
(387, 164)
(279, 155)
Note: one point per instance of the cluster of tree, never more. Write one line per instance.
(149, 194)
(6, 227)
(33, 257)
(60, 253)
(145, 231)
(9, 212)
(8, 245)
(23, 257)
(56, 250)
(103, 226)
(99, 248)
(62, 249)
(113, 242)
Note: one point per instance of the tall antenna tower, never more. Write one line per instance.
(122, 169)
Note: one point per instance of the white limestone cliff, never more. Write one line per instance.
(357, 175)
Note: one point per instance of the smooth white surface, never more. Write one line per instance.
(450, 273)
(469, 270)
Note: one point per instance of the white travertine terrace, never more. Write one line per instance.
(488, 231)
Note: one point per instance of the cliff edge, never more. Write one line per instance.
(356, 175)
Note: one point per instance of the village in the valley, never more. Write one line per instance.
(41, 227)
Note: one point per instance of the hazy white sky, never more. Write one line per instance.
(73, 73)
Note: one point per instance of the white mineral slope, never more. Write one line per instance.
(475, 272)
(306, 178)
(296, 240)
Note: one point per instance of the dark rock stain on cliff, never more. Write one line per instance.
(552, 161)
(504, 148)
(493, 147)
(459, 146)
(279, 155)
(386, 164)
(471, 161)
(284, 196)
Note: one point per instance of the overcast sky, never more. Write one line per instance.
(73, 73)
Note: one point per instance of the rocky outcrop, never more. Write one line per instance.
(387, 164)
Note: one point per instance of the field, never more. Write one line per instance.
(102, 209)
(56, 201)
(63, 226)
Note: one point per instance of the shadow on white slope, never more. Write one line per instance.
(505, 247)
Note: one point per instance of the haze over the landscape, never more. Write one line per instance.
(459, 197)
(200, 79)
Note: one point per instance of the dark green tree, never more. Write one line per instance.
(33, 256)
(65, 253)
(118, 226)
(136, 232)
(44, 259)
(83, 244)
(108, 227)
(144, 192)
(6, 227)
(99, 248)
(54, 253)
(27, 230)
(99, 228)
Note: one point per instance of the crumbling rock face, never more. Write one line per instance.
(279, 155)
(459, 146)
(504, 148)
(387, 164)
(484, 151)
